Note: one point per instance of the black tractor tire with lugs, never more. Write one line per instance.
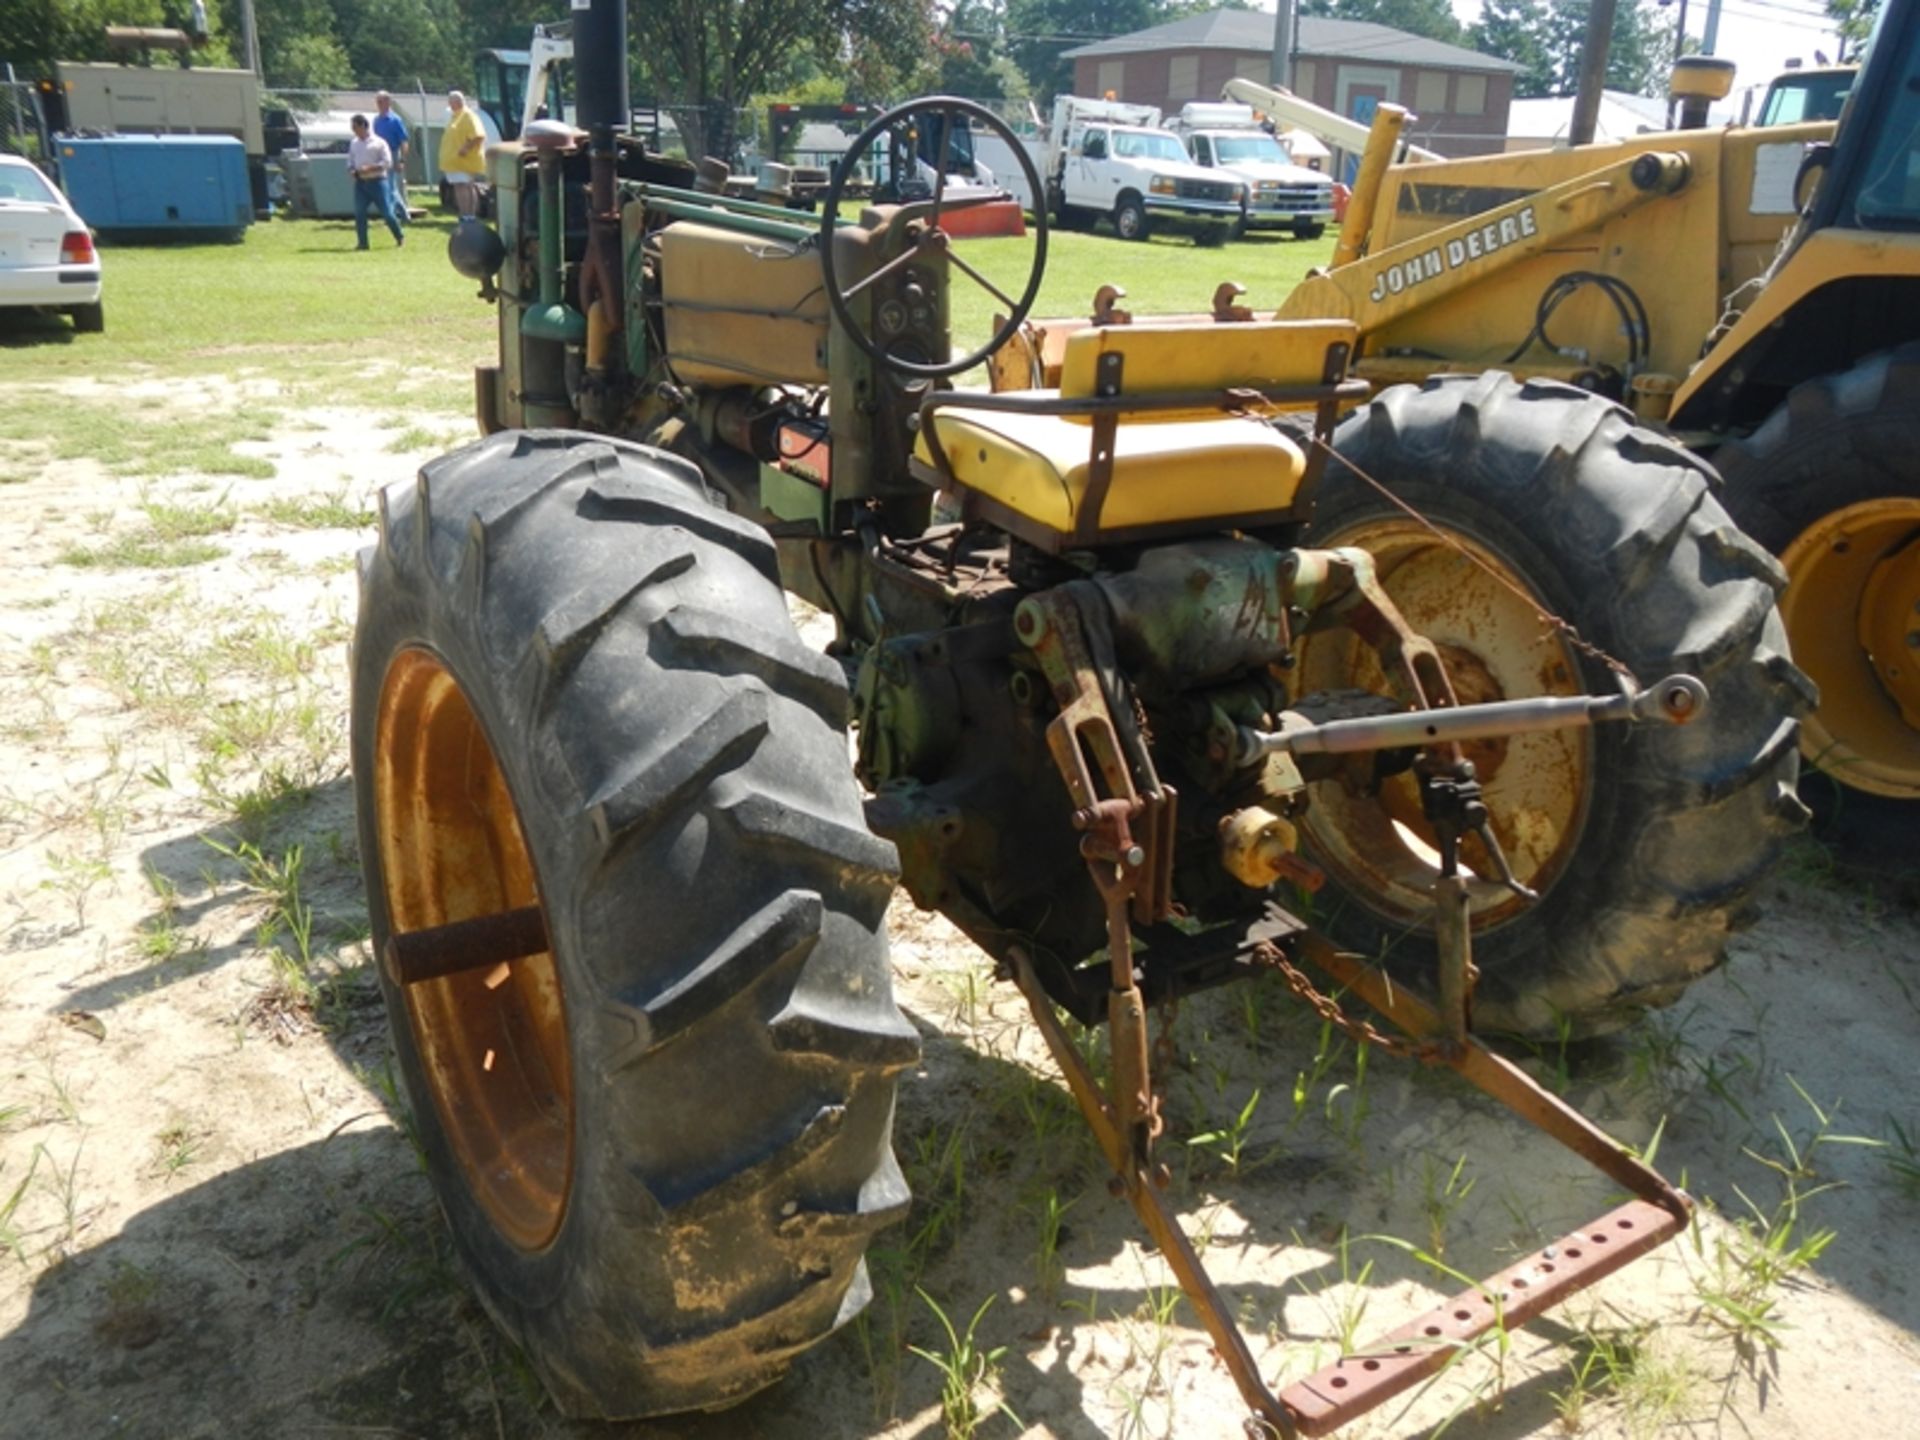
(1845, 441)
(1616, 530)
(1837, 439)
(713, 900)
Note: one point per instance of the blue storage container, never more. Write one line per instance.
(173, 185)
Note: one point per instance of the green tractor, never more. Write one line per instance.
(1131, 669)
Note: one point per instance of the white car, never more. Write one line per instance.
(47, 259)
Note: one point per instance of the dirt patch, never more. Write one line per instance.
(212, 1221)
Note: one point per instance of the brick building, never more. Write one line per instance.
(1459, 96)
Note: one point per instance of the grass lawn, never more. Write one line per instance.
(290, 295)
(294, 302)
(1166, 274)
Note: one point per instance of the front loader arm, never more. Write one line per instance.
(1389, 285)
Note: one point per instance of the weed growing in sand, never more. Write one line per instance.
(1343, 1301)
(964, 1367)
(63, 1186)
(414, 437)
(1622, 1367)
(409, 1253)
(1441, 1197)
(1229, 1142)
(141, 550)
(13, 1240)
(333, 512)
(1050, 1213)
(1768, 1246)
(881, 1327)
(176, 1147)
(1902, 1159)
(938, 1175)
(285, 931)
(160, 937)
(75, 877)
(1344, 1105)
(171, 521)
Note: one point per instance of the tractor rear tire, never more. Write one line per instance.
(1830, 483)
(1646, 843)
(663, 1144)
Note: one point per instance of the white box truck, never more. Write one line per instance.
(1281, 195)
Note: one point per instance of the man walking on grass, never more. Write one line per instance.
(371, 163)
(391, 128)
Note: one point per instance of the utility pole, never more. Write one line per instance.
(1680, 48)
(1712, 37)
(1593, 73)
(250, 36)
(1282, 71)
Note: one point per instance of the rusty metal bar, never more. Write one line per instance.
(1138, 1187)
(1356, 1383)
(1497, 1077)
(477, 944)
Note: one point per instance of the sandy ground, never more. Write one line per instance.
(212, 1222)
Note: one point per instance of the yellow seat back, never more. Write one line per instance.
(1179, 357)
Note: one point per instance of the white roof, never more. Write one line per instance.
(1621, 117)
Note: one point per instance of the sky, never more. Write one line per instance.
(1759, 36)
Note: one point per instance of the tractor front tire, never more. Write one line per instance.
(1831, 484)
(1645, 843)
(662, 1143)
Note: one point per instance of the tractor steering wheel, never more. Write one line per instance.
(926, 237)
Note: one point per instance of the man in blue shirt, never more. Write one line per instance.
(391, 128)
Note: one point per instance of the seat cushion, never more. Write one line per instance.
(1165, 471)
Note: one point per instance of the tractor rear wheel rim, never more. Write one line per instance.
(1495, 647)
(1852, 612)
(492, 1043)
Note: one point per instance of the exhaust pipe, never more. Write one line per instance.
(600, 74)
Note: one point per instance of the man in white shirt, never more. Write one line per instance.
(370, 162)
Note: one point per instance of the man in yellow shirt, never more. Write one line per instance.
(462, 158)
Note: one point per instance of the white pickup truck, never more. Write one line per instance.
(1107, 159)
(1280, 194)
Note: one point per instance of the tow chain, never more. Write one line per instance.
(1165, 1054)
(1361, 1031)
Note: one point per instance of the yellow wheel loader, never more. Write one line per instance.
(1753, 292)
(1138, 658)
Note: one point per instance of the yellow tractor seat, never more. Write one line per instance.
(1154, 428)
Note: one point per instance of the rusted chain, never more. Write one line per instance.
(1360, 1030)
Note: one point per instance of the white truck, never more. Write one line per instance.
(1281, 195)
(1107, 159)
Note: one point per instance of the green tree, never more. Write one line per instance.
(708, 57)
(1040, 31)
(1431, 18)
(1516, 30)
(35, 33)
(1548, 43)
(970, 46)
(1854, 20)
(399, 42)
